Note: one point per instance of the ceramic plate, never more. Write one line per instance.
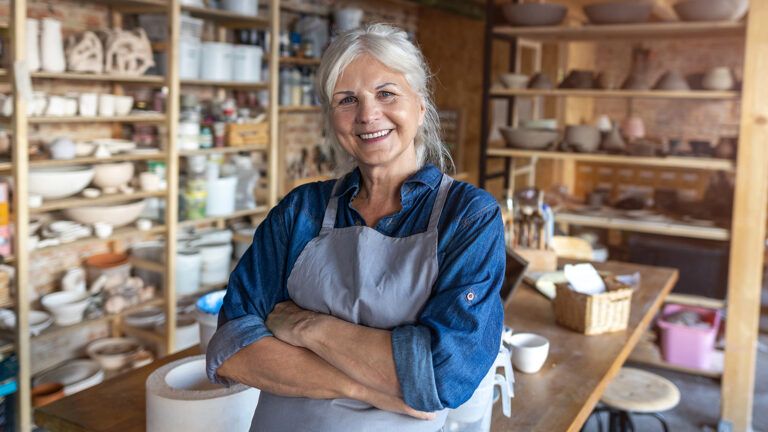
(75, 375)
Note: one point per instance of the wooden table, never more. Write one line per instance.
(558, 398)
(561, 396)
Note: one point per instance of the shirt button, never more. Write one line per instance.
(357, 223)
(470, 296)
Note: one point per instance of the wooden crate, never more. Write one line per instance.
(247, 134)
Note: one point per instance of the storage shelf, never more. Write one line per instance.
(127, 157)
(299, 61)
(118, 233)
(625, 31)
(308, 9)
(300, 108)
(235, 85)
(678, 229)
(153, 336)
(669, 162)
(135, 118)
(84, 202)
(226, 18)
(155, 4)
(9, 259)
(217, 150)
(638, 94)
(75, 76)
(237, 214)
(6, 166)
(7, 348)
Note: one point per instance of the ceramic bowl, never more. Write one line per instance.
(579, 79)
(618, 12)
(113, 353)
(59, 182)
(75, 375)
(582, 138)
(671, 81)
(534, 14)
(540, 81)
(123, 105)
(116, 215)
(530, 139)
(148, 318)
(43, 394)
(38, 320)
(706, 10)
(115, 266)
(67, 307)
(548, 124)
(112, 174)
(514, 81)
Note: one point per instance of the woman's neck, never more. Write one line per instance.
(379, 193)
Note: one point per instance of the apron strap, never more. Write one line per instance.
(329, 220)
(437, 207)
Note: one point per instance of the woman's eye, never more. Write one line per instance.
(386, 95)
(347, 100)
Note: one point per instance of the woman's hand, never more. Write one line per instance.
(389, 403)
(290, 323)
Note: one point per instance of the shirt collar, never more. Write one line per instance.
(428, 175)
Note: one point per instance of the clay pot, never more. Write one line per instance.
(726, 148)
(635, 81)
(702, 148)
(534, 14)
(608, 80)
(52, 46)
(672, 81)
(719, 78)
(44, 394)
(633, 128)
(540, 81)
(581, 138)
(613, 142)
(579, 79)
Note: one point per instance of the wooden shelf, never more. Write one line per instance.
(155, 4)
(226, 18)
(677, 229)
(6, 166)
(7, 348)
(669, 162)
(118, 233)
(217, 150)
(126, 157)
(300, 61)
(84, 202)
(300, 109)
(135, 118)
(637, 94)
(237, 214)
(307, 9)
(625, 31)
(9, 259)
(235, 85)
(74, 76)
(152, 336)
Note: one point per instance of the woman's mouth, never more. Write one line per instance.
(375, 136)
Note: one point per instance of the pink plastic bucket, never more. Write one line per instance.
(689, 346)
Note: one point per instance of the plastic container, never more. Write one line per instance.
(188, 271)
(220, 200)
(689, 346)
(244, 7)
(216, 61)
(246, 63)
(189, 58)
(207, 313)
(216, 259)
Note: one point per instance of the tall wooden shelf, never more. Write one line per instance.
(170, 154)
(748, 229)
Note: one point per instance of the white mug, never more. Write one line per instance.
(529, 351)
(89, 104)
(149, 181)
(106, 105)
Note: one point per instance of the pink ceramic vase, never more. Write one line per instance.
(633, 128)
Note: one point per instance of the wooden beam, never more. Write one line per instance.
(274, 122)
(747, 245)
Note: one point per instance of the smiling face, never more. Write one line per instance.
(376, 114)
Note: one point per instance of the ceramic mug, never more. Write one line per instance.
(529, 351)
(106, 105)
(88, 104)
(149, 181)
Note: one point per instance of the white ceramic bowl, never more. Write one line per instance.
(67, 307)
(123, 105)
(113, 353)
(112, 174)
(59, 182)
(76, 375)
(38, 320)
(116, 215)
(514, 81)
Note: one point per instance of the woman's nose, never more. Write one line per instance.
(368, 110)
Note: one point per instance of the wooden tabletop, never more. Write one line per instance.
(558, 398)
(563, 393)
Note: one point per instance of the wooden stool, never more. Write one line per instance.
(637, 392)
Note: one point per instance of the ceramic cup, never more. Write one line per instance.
(102, 229)
(529, 351)
(88, 104)
(106, 105)
(149, 181)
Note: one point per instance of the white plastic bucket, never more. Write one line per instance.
(245, 7)
(220, 200)
(189, 58)
(216, 61)
(188, 271)
(246, 63)
(216, 262)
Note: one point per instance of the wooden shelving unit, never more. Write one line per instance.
(636, 94)
(299, 61)
(300, 109)
(236, 215)
(663, 30)
(169, 153)
(639, 225)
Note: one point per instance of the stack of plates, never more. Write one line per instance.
(38, 321)
(75, 375)
(147, 318)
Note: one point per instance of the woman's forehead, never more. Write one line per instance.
(368, 72)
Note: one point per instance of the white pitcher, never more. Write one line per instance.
(52, 46)
(33, 44)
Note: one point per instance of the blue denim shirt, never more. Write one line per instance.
(442, 358)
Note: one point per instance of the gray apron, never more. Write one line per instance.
(364, 277)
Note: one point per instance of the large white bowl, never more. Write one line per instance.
(112, 174)
(113, 353)
(59, 182)
(67, 307)
(116, 215)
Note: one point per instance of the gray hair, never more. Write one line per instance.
(390, 46)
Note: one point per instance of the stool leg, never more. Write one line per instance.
(661, 420)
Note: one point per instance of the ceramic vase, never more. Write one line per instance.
(33, 45)
(613, 142)
(52, 46)
(719, 78)
(633, 128)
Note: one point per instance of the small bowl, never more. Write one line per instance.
(514, 81)
(123, 105)
(113, 353)
(112, 174)
(618, 12)
(529, 139)
(582, 138)
(704, 10)
(672, 81)
(534, 14)
(67, 307)
(117, 215)
(547, 124)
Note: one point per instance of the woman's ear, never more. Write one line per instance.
(422, 112)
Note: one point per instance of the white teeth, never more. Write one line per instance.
(374, 135)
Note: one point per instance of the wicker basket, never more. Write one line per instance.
(593, 314)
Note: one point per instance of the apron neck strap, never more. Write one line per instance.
(437, 207)
(329, 220)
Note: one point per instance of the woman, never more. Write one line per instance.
(370, 303)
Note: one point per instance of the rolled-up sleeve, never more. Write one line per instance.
(443, 357)
(254, 288)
